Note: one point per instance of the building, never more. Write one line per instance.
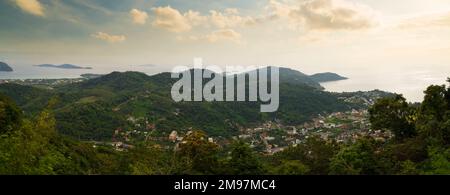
(173, 136)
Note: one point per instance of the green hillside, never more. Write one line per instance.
(94, 109)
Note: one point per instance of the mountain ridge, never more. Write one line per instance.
(327, 77)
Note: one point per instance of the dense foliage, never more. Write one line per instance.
(31, 145)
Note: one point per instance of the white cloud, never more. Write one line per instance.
(324, 15)
(229, 19)
(171, 19)
(108, 37)
(214, 37)
(195, 18)
(224, 34)
(33, 7)
(278, 9)
(139, 17)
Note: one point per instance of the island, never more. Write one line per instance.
(5, 67)
(62, 66)
(91, 76)
(327, 77)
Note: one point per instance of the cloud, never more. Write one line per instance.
(108, 37)
(219, 24)
(324, 15)
(139, 17)
(171, 19)
(427, 21)
(224, 34)
(33, 7)
(229, 19)
(278, 9)
(214, 37)
(195, 18)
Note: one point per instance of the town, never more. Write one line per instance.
(44, 83)
(268, 138)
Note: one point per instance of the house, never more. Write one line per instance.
(269, 138)
(276, 149)
(329, 125)
(150, 126)
(173, 136)
(118, 146)
(259, 129)
(344, 126)
(244, 136)
(131, 119)
(292, 131)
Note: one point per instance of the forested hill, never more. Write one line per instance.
(95, 108)
(326, 77)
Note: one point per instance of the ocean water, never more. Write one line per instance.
(34, 72)
(410, 83)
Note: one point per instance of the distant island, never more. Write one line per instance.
(5, 67)
(327, 77)
(62, 66)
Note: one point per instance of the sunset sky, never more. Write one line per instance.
(312, 34)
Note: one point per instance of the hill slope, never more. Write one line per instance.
(93, 109)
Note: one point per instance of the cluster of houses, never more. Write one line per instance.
(272, 137)
(45, 82)
(347, 127)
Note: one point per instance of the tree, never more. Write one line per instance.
(435, 102)
(395, 115)
(28, 151)
(358, 158)
(10, 115)
(244, 161)
(198, 154)
(315, 153)
(146, 160)
(434, 115)
(291, 167)
(408, 168)
(438, 163)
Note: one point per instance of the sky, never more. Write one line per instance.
(311, 35)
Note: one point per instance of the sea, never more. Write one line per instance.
(35, 72)
(409, 82)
